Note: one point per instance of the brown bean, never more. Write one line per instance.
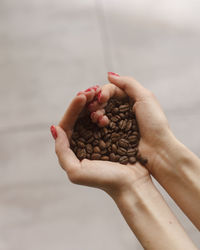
(95, 156)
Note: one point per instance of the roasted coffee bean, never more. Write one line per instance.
(114, 119)
(112, 125)
(89, 148)
(102, 144)
(95, 142)
(124, 107)
(112, 157)
(106, 137)
(132, 159)
(88, 156)
(87, 135)
(123, 143)
(90, 140)
(122, 124)
(114, 148)
(128, 125)
(132, 152)
(95, 156)
(104, 151)
(105, 158)
(133, 138)
(122, 115)
(81, 153)
(123, 160)
(80, 144)
(97, 149)
(121, 151)
(115, 110)
(73, 143)
(108, 143)
(115, 137)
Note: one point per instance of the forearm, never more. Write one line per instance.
(178, 171)
(151, 220)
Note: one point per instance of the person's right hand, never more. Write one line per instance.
(152, 122)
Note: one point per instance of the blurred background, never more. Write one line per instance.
(50, 50)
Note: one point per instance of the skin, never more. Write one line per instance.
(129, 186)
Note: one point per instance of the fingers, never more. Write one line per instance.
(108, 91)
(72, 113)
(132, 88)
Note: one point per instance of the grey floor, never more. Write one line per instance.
(49, 50)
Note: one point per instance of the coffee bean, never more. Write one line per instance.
(114, 148)
(123, 160)
(112, 157)
(123, 143)
(105, 158)
(115, 137)
(122, 124)
(121, 151)
(80, 144)
(132, 159)
(73, 143)
(116, 110)
(128, 125)
(108, 143)
(89, 148)
(132, 152)
(95, 142)
(112, 125)
(90, 140)
(102, 144)
(97, 149)
(104, 151)
(95, 156)
(81, 153)
(133, 138)
(87, 135)
(114, 119)
(124, 107)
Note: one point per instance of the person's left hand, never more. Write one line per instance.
(114, 178)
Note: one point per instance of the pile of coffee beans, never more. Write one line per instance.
(117, 142)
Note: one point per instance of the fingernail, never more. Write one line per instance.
(113, 74)
(79, 93)
(100, 118)
(53, 132)
(99, 96)
(89, 89)
(96, 87)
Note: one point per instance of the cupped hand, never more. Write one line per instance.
(152, 122)
(111, 177)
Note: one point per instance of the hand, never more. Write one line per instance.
(113, 178)
(153, 125)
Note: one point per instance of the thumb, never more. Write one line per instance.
(66, 156)
(129, 85)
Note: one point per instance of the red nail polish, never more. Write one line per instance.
(113, 74)
(95, 87)
(79, 93)
(53, 132)
(100, 118)
(99, 96)
(88, 90)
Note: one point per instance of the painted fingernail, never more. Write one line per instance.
(79, 93)
(99, 96)
(53, 132)
(113, 74)
(96, 87)
(100, 118)
(88, 90)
